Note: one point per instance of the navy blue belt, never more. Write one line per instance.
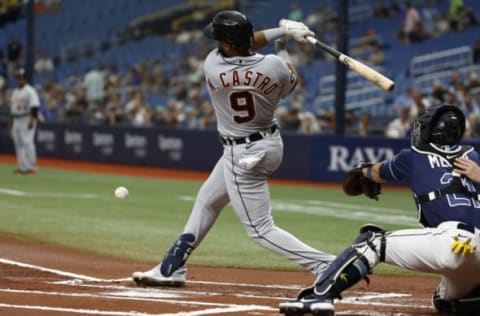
(250, 138)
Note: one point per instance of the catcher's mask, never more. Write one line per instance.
(232, 27)
(439, 124)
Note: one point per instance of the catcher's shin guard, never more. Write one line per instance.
(348, 268)
(178, 254)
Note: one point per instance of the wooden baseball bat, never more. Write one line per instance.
(363, 70)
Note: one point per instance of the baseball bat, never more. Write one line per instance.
(363, 70)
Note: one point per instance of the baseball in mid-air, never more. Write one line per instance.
(121, 193)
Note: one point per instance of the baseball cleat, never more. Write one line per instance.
(154, 277)
(308, 303)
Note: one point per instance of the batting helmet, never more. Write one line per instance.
(232, 27)
(442, 124)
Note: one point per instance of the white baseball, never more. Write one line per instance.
(121, 193)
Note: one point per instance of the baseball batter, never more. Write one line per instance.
(24, 105)
(448, 202)
(244, 88)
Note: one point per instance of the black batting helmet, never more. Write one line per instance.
(442, 124)
(232, 27)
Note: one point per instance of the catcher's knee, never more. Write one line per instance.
(371, 243)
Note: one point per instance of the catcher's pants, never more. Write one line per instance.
(429, 250)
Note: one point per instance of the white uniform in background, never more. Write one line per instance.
(23, 99)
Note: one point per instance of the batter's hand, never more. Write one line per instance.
(296, 30)
(468, 168)
(462, 247)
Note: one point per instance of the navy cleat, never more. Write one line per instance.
(308, 303)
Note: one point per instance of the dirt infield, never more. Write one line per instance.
(39, 279)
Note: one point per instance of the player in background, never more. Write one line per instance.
(24, 105)
(245, 88)
(449, 209)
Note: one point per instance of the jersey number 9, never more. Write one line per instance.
(242, 102)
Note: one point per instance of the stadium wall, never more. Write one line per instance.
(313, 157)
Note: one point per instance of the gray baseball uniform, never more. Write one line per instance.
(244, 93)
(22, 100)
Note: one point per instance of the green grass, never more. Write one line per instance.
(78, 210)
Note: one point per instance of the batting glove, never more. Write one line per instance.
(462, 247)
(296, 30)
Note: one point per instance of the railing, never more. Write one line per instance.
(446, 59)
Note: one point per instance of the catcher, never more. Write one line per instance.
(446, 191)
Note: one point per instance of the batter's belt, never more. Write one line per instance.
(20, 115)
(250, 138)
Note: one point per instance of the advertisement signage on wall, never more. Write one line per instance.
(315, 157)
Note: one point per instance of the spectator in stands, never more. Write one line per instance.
(174, 114)
(400, 126)
(308, 124)
(457, 84)
(77, 106)
(207, 119)
(100, 115)
(43, 63)
(9, 11)
(438, 92)
(376, 55)
(296, 12)
(468, 17)
(412, 27)
(14, 54)
(429, 15)
(178, 89)
(442, 25)
(404, 100)
(394, 8)
(94, 84)
(419, 104)
(52, 112)
(140, 115)
(455, 15)
(380, 10)
(326, 120)
(473, 81)
(315, 19)
(115, 106)
(158, 116)
(364, 124)
(191, 120)
(471, 110)
(450, 97)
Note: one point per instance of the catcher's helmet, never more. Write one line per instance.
(232, 27)
(440, 124)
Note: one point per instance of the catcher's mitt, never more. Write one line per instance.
(356, 183)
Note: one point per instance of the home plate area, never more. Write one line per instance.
(45, 280)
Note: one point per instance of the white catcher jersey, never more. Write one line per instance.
(23, 99)
(245, 90)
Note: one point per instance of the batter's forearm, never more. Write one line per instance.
(262, 38)
(373, 173)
